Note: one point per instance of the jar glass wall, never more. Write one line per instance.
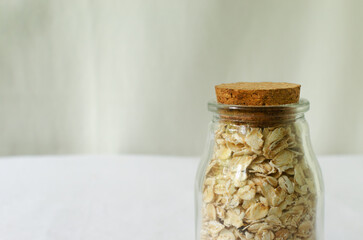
(259, 177)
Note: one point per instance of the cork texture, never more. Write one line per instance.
(258, 93)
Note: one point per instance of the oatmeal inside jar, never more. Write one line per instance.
(258, 185)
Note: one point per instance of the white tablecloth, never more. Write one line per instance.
(138, 197)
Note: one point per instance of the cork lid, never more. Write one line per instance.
(258, 93)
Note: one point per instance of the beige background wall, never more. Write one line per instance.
(118, 76)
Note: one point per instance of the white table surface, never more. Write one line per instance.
(138, 197)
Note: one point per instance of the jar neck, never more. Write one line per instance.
(262, 116)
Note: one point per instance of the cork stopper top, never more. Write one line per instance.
(258, 93)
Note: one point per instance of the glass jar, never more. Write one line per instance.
(259, 178)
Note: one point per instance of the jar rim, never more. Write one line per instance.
(300, 107)
(259, 115)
